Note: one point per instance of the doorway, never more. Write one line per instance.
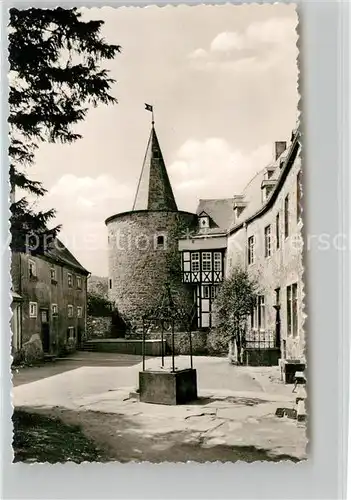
(45, 330)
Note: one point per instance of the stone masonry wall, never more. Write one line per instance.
(139, 267)
(203, 343)
(99, 327)
(283, 268)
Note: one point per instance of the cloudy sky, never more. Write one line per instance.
(223, 82)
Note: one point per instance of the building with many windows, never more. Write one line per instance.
(260, 231)
(265, 238)
(49, 300)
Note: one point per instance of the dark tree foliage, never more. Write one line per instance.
(56, 74)
(98, 305)
(233, 305)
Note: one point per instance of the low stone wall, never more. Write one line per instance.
(202, 343)
(99, 327)
(123, 346)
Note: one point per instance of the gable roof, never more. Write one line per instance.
(154, 191)
(59, 253)
(219, 210)
(288, 159)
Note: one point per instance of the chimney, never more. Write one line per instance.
(280, 147)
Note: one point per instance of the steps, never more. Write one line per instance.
(87, 347)
(49, 358)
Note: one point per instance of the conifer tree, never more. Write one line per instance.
(56, 73)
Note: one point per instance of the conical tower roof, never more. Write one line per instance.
(154, 190)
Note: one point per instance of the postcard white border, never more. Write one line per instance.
(324, 66)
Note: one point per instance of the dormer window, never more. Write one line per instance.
(267, 186)
(239, 205)
(204, 221)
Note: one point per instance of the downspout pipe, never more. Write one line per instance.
(246, 248)
(86, 304)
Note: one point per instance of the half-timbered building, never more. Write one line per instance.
(203, 255)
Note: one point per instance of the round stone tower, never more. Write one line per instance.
(143, 243)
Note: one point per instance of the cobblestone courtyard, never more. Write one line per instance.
(233, 419)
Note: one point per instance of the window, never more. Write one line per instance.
(204, 222)
(294, 310)
(53, 274)
(70, 280)
(54, 309)
(186, 261)
(277, 231)
(267, 191)
(217, 261)
(286, 216)
(110, 283)
(206, 261)
(32, 269)
(261, 313)
(206, 292)
(258, 317)
(267, 241)
(70, 311)
(79, 282)
(160, 241)
(214, 290)
(288, 310)
(79, 312)
(195, 261)
(33, 309)
(251, 249)
(254, 314)
(70, 333)
(291, 310)
(298, 196)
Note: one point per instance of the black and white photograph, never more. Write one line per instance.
(157, 212)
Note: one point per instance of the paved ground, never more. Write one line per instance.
(236, 410)
(26, 375)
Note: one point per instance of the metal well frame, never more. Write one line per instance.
(167, 311)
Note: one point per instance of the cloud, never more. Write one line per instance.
(198, 54)
(227, 41)
(86, 193)
(261, 46)
(273, 31)
(82, 204)
(213, 169)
